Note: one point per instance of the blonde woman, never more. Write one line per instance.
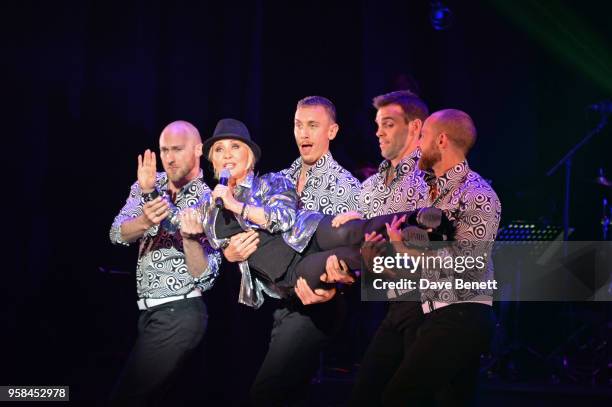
(293, 243)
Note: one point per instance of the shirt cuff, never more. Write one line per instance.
(115, 236)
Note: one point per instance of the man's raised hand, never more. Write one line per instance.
(147, 171)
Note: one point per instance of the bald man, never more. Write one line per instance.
(175, 264)
(442, 363)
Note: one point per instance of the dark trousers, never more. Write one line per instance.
(298, 336)
(167, 336)
(390, 344)
(274, 259)
(436, 365)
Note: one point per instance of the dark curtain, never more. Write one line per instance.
(89, 85)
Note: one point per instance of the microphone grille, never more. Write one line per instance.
(225, 173)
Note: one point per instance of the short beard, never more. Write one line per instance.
(178, 176)
(429, 159)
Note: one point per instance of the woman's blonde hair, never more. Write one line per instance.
(250, 157)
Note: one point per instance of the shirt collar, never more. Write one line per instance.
(320, 167)
(406, 165)
(294, 169)
(163, 182)
(452, 178)
(247, 182)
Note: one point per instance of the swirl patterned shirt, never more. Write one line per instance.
(161, 270)
(473, 207)
(406, 191)
(329, 189)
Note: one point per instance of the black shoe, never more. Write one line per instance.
(429, 218)
(415, 236)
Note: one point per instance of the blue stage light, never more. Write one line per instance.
(441, 17)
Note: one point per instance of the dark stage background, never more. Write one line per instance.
(89, 85)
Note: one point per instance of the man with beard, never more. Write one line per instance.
(174, 265)
(442, 362)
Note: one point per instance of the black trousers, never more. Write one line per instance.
(298, 336)
(167, 336)
(343, 241)
(424, 360)
(277, 262)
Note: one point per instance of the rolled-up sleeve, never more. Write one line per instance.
(132, 209)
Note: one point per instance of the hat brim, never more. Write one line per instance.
(207, 145)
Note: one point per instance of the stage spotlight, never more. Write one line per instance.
(441, 17)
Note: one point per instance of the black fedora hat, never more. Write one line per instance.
(234, 129)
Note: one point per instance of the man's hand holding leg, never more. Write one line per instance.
(241, 246)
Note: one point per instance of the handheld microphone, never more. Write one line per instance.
(223, 180)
